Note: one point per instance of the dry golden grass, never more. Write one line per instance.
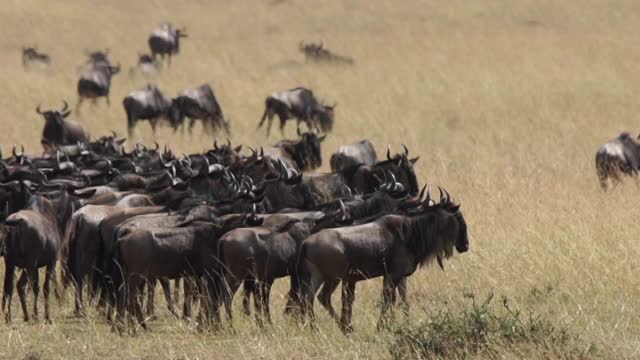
(505, 101)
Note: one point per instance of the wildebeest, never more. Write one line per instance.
(616, 158)
(146, 66)
(393, 246)
(148, 103)
(199, 103)
(318, 53)
(32, 55)
(165, 41)
(300, 104)
(358, 153)
(34, 239)
(59, 131)
(303, 154)
(95, 78)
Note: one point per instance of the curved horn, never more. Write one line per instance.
(215, 144)
(187, 158)
(38, 110)
(65, 107)
(389, 152)
(422, 193)
(406, 151)
(343, 209)
(228, 142)
(13, 151)
(254, 153)
(427, 200)
(298, 131)
(114, 133)
(157, 145)
(441, 195)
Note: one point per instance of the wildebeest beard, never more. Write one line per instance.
(419, 233)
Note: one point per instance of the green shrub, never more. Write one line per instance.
(483, 327)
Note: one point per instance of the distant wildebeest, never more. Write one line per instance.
(299, 104)
(165, 41)
(393, 246)
(303, 154)
(358, 153)
(318, 53)
(148, 103)
(199, 103)
(95, 78)
(146, 66)
(32, 55)
(59, 131)
(616, 158)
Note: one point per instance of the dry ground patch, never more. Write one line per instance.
(506, 102)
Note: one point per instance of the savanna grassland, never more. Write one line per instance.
(505, 101)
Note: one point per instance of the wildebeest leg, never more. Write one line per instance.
(154, 123)
(310, 285)
(265, 297)
(283, 122)
(325, 296)
(22, 294)
(34, 279)
(50, 272)
(348, 295)
(388, 288)
(188, 297)
(192, 122)
(151, 297)
(249, 289)
(402, 291)
(135, 297)
(108, 101)
(176, 291)
(80, 100)
(269, 123)
(259, 302)
(232, 285)
(166, 289)
(8, 288)
(79, 283)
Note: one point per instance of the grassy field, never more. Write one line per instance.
(505, 101)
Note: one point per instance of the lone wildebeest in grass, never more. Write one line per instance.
(300, 104)
(165, 41)
(318, 53)
(148, 103)
(199, 103)
(31, 55)
(392, 246)
(616, 158)
(95, 78)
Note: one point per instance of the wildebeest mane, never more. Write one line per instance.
(419, 232)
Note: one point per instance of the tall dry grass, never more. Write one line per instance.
(505, 101)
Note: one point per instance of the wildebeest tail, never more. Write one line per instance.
(68, 252)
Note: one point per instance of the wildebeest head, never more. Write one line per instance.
(55, 116)
(108, 145)
(402, 166)
(311, 145)
(324, 116)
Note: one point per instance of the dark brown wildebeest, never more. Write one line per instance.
(303, 155)
(365, 179)
(393, 246)
(199, 103)
(34, 239)
(318, 53)
(165, 41)
(95, 78)
(300, 104)
(616, 158)
(148, 103)
(186, 251)
(59, 131)
(358, 153)
(32, 55)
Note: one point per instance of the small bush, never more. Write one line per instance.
(482, 328)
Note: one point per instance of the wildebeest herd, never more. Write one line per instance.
(117, 221)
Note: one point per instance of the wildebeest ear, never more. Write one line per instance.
(414, 160)
(121, 141)
(238, 148)
(321, 138)
(84, 194)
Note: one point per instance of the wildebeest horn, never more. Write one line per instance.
(187, 158)
(406, 151)
(215, 144)
(298, 131)
(448, 200)
(343, 209)
(157, 145)
(58, 157)
(38, 110)
(421, 193)
(427, 200)
(228, 142)
(389, 152)
(114, 134)
(254, 153)
(13, 151)
(65, 107)
(441, 195)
